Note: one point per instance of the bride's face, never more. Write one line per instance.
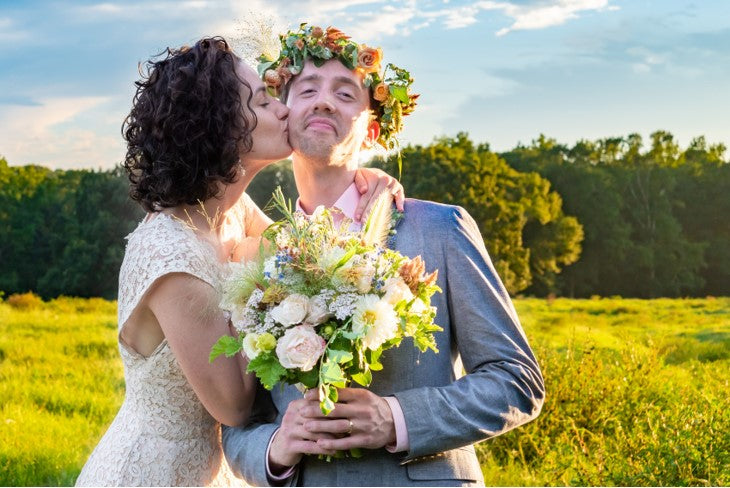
(270, 137)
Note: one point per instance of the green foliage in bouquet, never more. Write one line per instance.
(321, 303)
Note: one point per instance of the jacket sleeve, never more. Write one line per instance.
(503, 387)
(246, 447)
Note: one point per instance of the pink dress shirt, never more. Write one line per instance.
(347, 203)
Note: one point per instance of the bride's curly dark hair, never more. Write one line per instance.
(187, 126)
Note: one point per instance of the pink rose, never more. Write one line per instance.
(300, 347)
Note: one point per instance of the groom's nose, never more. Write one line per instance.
(324, 102)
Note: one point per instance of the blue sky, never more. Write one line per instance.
(503, 71)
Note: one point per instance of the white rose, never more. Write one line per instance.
(292, 310)
(375, 320)
(300, 347)
(396, 290)
(318, 310)
(250, 348)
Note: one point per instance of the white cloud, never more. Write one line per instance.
(526, 16)
(377, 21)
(8, 32)
(641, 68)
(461, 17)
(105, 8)
(672, 62)
(648, 57)
(542, 15)
(138, 10)
(454, 18)
(389, 21)
(47, 134)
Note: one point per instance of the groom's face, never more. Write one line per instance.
(329, 114)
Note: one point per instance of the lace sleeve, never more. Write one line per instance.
(156, 248)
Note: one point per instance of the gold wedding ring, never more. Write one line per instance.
(349, 430)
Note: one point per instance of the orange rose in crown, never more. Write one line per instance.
(272, 78)
(381, 92)
(368, 59)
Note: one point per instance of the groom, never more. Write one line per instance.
(419, 418)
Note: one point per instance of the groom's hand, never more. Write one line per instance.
(362, 417)
(292, 440)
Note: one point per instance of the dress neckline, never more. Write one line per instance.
(181, 224)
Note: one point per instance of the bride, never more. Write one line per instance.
(201, 126)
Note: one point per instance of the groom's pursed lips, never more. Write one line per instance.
(320, 122)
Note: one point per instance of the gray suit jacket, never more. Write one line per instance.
(445, 412)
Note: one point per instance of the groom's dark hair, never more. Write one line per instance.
(187, 126)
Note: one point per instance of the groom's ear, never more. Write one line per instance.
(373, 133)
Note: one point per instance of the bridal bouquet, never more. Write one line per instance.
(321, 303)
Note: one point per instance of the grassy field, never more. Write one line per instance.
(638, 392)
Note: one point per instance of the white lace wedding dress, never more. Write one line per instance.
(162, 435)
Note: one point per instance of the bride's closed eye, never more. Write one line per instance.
(264, 101)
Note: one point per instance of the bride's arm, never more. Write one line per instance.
(370, 182)
(188, 313)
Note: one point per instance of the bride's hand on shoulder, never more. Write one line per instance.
(371, 182)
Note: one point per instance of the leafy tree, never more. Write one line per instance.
(266, 181)
(526, 232)
(648, 221)
(63, 230)
(701, 205)
(627, 201)
(102, 215)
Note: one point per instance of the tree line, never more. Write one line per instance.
(609, 217)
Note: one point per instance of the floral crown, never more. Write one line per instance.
(390, 87)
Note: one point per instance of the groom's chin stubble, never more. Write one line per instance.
(314, 149)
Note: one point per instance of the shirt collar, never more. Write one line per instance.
(347, 204)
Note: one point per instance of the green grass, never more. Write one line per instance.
(61, 383)
(637, 393)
